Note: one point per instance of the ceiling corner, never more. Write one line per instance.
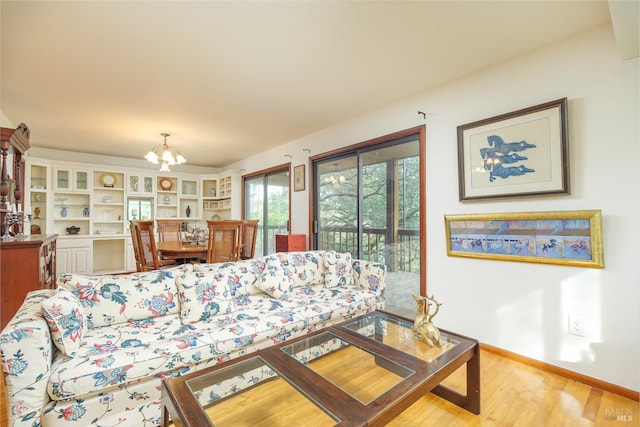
(625, 17)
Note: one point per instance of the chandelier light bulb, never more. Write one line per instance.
(167, 154)
(152, 157)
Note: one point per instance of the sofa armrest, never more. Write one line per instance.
(371, 275)
(26, 353)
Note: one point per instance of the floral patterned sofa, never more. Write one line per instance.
(94, 351)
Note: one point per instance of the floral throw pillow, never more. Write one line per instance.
(276, 280)
(338, 269)
(110, 300)
(204, 295)
(67, 323)
(239, 275)
(307, 267)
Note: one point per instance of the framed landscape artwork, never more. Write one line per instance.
(298, 178)
(563, 237)
(522, 153)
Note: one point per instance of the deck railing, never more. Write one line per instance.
(401, 253)
(378, 245)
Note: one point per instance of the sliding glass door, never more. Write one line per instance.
(266, 198)
(367, 201)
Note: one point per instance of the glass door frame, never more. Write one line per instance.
(265, 173)
(420, 134)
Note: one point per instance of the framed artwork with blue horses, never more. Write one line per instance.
(518, 154)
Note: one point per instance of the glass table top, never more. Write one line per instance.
(397, 333)
(253, 393)
(347, 374)
(360, 373)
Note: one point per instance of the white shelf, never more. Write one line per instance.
(79, 188)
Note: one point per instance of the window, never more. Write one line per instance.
(139, 208)
(266, 198)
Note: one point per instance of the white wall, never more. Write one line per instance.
(523, 307)
(5, 122)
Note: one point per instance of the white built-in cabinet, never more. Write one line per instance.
(219, 194)
(74, 256)
(90, 207)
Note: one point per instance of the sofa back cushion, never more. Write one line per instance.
(115, 299)
(307, 268)
(338, 269)
(370, 275)
(204, 295)
(277, 278)
(241, 276)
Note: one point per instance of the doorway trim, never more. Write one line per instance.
(420, 131)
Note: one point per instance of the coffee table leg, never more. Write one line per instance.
(165, 416)
(470, 401)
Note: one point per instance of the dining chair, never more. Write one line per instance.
(136, 247)
(224, 240)
(169, 230)
(249, 234)
(149, 258)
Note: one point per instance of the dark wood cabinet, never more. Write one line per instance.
(16, 143)
(25, 265)
(291, 242)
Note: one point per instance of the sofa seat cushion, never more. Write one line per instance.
(128, 405)
(316, 305)
(127, 353)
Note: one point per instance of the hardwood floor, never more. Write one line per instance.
(513, 394)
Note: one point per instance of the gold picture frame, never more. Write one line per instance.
(571, 238)
(298, 178)
(108, 180)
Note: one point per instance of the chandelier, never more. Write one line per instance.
(335, 179)
(167, 154)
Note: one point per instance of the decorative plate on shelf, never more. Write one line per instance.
(107, 199)
(166, 184)
(108, 180)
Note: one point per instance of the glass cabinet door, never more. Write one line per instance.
(140, 184)
(68, 179)
(62, 179)
(189, 187)
(81, 180)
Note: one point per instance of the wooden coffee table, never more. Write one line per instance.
(364, 371)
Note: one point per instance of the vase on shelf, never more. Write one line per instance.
(36, 213)
(64, 212)
(188, 211)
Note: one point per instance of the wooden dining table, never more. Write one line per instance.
(182, 250)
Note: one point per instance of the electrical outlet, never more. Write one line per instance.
(576, 326)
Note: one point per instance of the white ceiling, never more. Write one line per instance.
(232, 79)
